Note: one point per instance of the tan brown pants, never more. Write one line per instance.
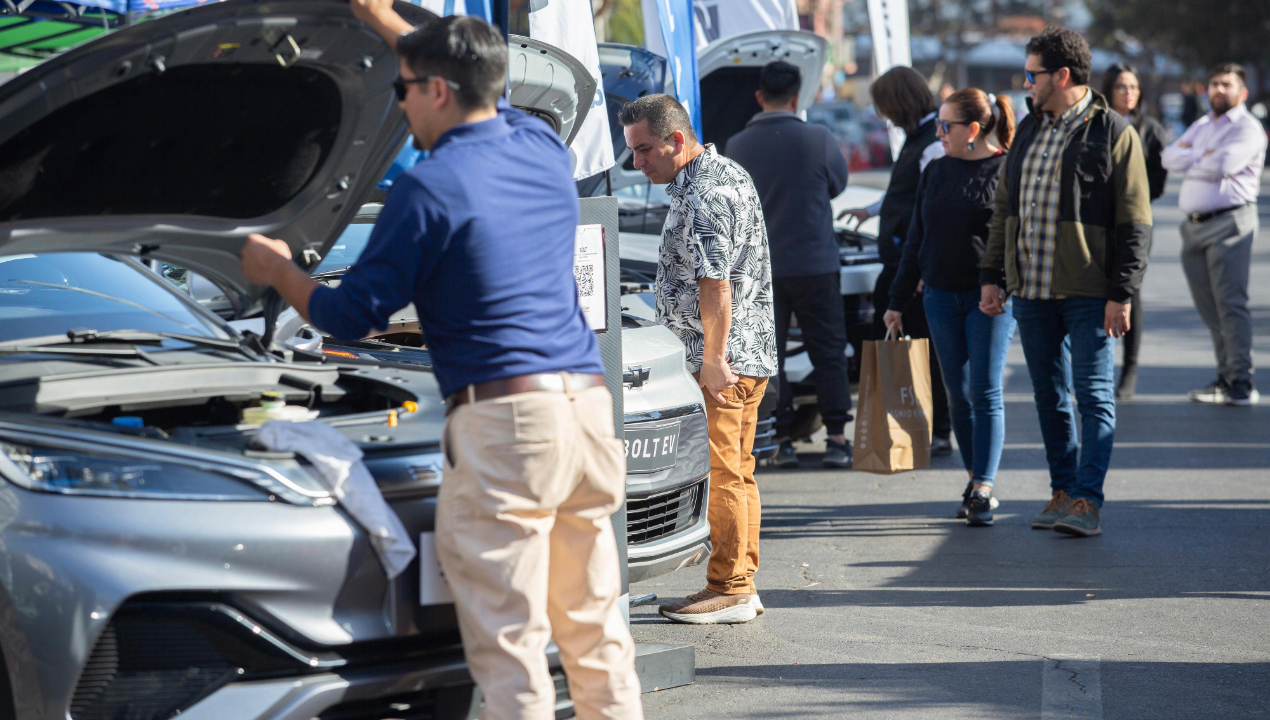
(734, 512)
(524, 536)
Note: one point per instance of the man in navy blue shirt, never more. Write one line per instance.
(480, 237)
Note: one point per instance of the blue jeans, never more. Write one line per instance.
(972, 348)
(1066, 347)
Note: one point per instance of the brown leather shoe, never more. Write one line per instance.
(1055, 509)
(709, 607)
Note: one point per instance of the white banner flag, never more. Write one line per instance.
(568, 24)
(717, 19)
(888, 21)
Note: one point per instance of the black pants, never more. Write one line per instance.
(915, 326)
(817, 302)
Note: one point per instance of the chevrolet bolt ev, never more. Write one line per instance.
(729, 69)
(156, 560)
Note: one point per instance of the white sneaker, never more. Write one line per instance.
(1214, 394)
(757, 604)
(708, 607)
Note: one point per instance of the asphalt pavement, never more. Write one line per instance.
(881, 605)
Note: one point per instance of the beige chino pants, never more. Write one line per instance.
(524, 536)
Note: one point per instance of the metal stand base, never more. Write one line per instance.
(661, 666)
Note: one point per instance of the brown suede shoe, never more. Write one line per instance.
(1055, 509)
(709, 607)
(1081, 519)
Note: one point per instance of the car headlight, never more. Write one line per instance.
(84, 472)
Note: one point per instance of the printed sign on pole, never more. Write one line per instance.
(588, 270)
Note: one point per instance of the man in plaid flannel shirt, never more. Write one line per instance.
(1069, 240)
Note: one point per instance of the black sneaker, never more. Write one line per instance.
(837, 455)
(940, 446)
(963, 511)
(1242, 393)
(979, 508)
(1215, 393)
(785, 456)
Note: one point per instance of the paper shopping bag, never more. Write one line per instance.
(894, 420)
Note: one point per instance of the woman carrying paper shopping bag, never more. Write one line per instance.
(942, 252)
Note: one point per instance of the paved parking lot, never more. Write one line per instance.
(881, 605)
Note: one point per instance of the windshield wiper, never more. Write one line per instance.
(71, 342)
(85, 336)
(25, 346)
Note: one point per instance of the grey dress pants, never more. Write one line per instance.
(1216, 256)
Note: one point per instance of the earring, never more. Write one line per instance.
(970, 146)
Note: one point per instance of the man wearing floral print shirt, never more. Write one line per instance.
(714, 290)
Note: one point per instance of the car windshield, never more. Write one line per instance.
(47, 295)
(347, 248)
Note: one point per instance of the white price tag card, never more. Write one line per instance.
(433, 588)
(588, 270)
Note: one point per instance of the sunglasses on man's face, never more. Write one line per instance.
(399, 85)
(1031, 74)
(945, 125)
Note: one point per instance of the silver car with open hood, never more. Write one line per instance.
(155, 560)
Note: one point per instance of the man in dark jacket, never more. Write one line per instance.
(798, 169)
(1069, 240)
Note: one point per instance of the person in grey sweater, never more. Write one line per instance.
(798, 169)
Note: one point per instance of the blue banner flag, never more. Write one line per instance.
(678, 36)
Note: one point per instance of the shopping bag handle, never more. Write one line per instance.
(891, 333)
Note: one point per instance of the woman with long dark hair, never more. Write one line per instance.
(946, 238)
(1123, 91)
(902, 96)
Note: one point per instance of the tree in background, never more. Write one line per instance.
(626, 23)
(1199, 33)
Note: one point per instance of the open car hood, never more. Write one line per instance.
(550, 83)
(174, 138)
(729, 70)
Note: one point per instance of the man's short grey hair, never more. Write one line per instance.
(665, 115)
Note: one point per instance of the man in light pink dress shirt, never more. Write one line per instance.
(1222, 155)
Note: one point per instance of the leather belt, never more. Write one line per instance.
(1205, 217)
(555, 382)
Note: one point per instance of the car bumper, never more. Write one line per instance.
(440, 689)
(681, 556)
(676, 526)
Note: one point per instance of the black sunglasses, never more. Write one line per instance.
(399, 85)
(944, 125)
(1031, 76)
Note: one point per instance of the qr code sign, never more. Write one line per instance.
(585, 275)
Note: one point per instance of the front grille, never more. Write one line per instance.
(148, 669)
(661, 515)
